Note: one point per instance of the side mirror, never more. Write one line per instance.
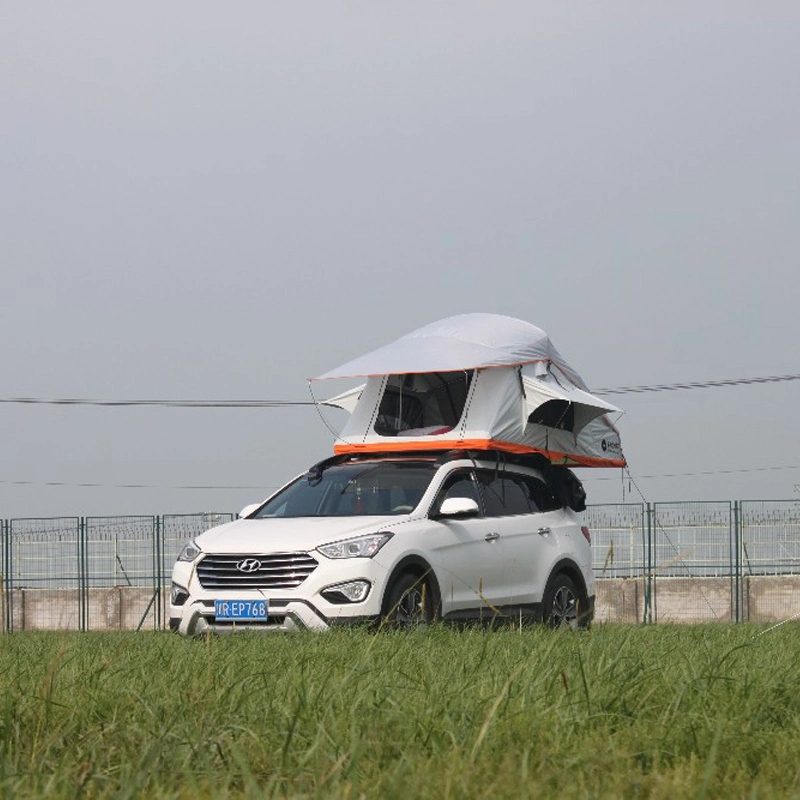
(459, 507)
(248, 510)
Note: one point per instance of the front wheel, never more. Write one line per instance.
(561, 606)
(409, 602)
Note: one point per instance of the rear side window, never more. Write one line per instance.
(503, 494)
(540, 495)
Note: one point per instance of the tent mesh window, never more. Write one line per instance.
(424, 404)
(555, 414)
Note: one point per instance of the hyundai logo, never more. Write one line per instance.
(249, 565)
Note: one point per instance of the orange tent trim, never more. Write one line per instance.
(476, 444)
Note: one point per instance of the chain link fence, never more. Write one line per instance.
(697, 562)
(661, 562)
(93, 573)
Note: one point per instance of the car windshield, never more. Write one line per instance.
(358, 489)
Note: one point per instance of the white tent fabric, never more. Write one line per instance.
(512, 372)
(467, 341)
(346, 400)
(539, 390)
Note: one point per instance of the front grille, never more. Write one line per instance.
(273, 571)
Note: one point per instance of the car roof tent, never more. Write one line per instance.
(476, 382)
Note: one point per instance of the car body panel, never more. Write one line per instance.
(483, 566)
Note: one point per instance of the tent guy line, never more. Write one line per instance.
(76, 401)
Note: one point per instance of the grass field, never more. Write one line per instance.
(656, 712)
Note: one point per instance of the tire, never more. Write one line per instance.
(563, 605)
(409, 602)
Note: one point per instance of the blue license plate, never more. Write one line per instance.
(239, 610)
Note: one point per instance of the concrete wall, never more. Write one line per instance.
(767, 598)
(693, 600)
(622, 600)
(118, 608)
(619, 600)
(773, 598)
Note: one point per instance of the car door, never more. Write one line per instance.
(529, 538)
(464, 553)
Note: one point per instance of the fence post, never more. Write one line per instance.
(648, 589)
(737, 561)
(157, 572)
(83, 577)
(7, 593)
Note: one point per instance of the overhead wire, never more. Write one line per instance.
(706, 472)
(82, 401)
(673, 387)
(619, 390)
(208, 404)
(92, 485)
(208, 487)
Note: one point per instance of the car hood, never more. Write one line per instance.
(285, 535)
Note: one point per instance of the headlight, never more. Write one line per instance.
(190, 552)
(360, 547)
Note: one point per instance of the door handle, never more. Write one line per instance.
(490, 537)
(543, 531)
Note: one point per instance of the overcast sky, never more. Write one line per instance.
(218, 201)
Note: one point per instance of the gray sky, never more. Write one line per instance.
(210, 201)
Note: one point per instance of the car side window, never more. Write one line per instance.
(503, 494)
(458, 484)
(540, 495)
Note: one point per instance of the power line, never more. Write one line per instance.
(88, 485)
(586, 477)
(672, 387)
(210, 487)
(79, 401)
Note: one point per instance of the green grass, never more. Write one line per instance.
(652, 712)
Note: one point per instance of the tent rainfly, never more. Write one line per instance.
(476, 382)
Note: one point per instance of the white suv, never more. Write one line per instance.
(398, 540)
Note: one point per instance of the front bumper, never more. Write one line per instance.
(197, 618)
(302, 608)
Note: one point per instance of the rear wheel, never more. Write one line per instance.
(562, 607)
(409, 602)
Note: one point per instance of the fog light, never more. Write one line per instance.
(351, 592)
(178, 595)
